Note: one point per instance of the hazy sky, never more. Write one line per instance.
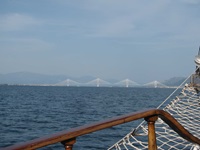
(143, 40)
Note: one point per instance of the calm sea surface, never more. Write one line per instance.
(29, 112)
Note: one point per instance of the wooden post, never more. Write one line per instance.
(151, 132)
(69, 143)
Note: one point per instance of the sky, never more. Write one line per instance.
(141, 40)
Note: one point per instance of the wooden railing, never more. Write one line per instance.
(68, 138)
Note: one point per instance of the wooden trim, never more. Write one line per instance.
(75, 132)
(152, 145)
(68, 145)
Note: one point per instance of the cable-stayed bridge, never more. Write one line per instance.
(102, 83)
(98, 83)
(155, 84)
(126, 83)
(68, 82)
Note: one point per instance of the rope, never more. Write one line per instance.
(185, 108)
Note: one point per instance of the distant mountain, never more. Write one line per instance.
(30, 78)
(84, 79)
(175, 81)
(35, 78)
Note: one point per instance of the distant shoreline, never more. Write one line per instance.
(52, 85)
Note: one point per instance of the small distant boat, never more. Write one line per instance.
(174, 124)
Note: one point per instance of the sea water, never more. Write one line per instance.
(29, 112)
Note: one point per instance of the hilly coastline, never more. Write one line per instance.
(28, 78)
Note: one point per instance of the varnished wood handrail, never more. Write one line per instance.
(75, 132)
